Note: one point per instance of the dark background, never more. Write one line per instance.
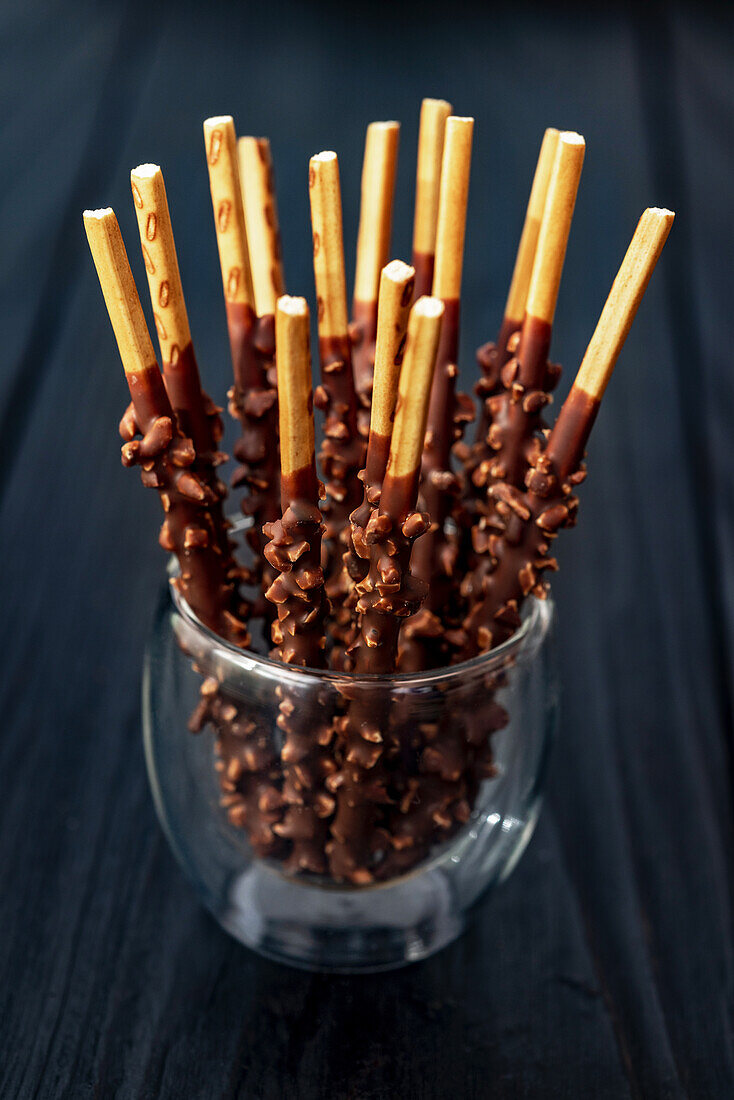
(604, 966)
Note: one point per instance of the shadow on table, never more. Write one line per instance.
(460, 1024)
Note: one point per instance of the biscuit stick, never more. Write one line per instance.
(373, 249)
(534, 516)
(165, 455)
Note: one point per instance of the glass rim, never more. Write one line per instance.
(536, 614)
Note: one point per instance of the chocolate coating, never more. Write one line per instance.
(196, 413)
(253, 402)
(342, 450)
(532, 519)
(571, 431)
(307, 760)
(387, 595)
(294, 552)
(341, 457)
(363, 334)
(199, 419)
(423, 262)
(168, 463)
(378, 452)
(521, 392)
(516, 411)
(491, 359)
(299, 485)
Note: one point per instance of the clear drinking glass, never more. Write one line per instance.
(461, 765)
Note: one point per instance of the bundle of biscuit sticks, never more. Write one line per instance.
(401, 546)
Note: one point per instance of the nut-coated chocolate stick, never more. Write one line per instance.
(396, 295)
(294, 549)
(253, 398)
(534, 516)
(373, 250)
(435, 554)
(298, 593)
(342, 451)
(517, 411)
(492, 357)
(434, 113)
(261, 220)
(165, 455)
(388, 594)
(197, 414)
(526, 379)
(248, 770)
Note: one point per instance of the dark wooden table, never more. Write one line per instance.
(603, 968)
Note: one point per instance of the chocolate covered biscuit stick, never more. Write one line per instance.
(294, 551)
(527, 378)
(165, 455)
(430, 798)
(396, 295)
(492, 357)
(533, 517)
(516, 413)
(373, 250)
(249, 770)
(434, 113)
(198, 416)
(342, 450)
(246, 764)
(435, 554)
(261, 219)
(253, 398)
(388, 594)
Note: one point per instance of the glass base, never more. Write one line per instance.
(315, 922)
(344, 931)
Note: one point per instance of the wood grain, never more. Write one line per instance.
(603, 967)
